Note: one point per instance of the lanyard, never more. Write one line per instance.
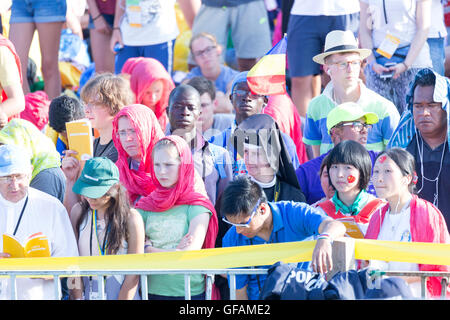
(20, 217)
(94, 226)
(277, 191)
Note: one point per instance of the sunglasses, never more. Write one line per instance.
(246, 224)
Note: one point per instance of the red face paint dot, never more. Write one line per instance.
(382, 159)
(351, 179)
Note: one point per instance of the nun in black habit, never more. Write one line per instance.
(258, 140)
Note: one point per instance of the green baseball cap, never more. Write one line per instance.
(349, 111)
(98, 176)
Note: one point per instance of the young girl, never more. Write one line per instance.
(152, 84)
(405, 217)
(105, 224)
(178, 215)
(135, 131)
(349, 169)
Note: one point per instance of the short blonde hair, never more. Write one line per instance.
(112, 91)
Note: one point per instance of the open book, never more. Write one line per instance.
(36, 245)
(353, 229)
(79, 136)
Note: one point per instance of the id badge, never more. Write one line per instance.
(388, 46)
(134, 13)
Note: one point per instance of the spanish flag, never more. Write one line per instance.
(268, 75)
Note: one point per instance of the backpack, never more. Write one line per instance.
(286, 281)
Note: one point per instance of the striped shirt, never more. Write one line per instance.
(316, 132)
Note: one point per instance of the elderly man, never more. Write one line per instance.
(341, 60)
(347, 121)
(211, 162)
(256, 221)
(246, 104)
(25, 211)
(423, 131)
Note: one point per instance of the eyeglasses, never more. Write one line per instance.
(343, 65)
(247, 224)
(14, 177)
(125, 133)
(205, 51)
(358, 126)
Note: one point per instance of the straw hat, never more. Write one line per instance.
(339, 41)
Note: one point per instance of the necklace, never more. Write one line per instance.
(436, 179)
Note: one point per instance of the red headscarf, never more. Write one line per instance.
(5, 42)
(189, 190)
(282, 109)
(36, 108)
(143, 74)
(148, 131)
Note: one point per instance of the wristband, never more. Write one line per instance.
(116, 28)
(325, 236)
(99, 15)
(406, 66)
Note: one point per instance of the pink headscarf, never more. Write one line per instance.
(129, 65)
(282, 109)
(143, 74)
(36, 108)
(148, 131)
(189, 190)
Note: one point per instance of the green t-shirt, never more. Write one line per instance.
(165, 230)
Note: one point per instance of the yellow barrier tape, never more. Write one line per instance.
(218, 258)
(234, 257)
(412, 252)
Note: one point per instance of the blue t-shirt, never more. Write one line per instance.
(292, 221)
(227, 3)
(225, 77)
(309, 179)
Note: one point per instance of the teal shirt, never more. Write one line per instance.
(316, 132)
(165, 230)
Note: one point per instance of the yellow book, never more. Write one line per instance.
(79, 136)
(353, 229)
(35, 246)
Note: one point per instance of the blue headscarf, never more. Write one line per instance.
(406, 128)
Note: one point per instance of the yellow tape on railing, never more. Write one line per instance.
(219, 258)
(413, 252)
(235, 257)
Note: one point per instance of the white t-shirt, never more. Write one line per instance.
(397, 227)
(398, 18)
(437, 27)
(324, 7)
(149, 22)
(46, 214)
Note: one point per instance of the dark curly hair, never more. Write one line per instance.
(64, 109)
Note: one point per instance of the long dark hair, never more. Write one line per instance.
(116, 216)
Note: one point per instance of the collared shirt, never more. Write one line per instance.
(316, 132)
(292, 221)
(213, 163)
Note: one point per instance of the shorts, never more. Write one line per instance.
(109, 18)
(163, 52)
(306, 38)
(38, 11)
(248, 23)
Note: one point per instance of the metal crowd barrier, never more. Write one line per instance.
(57, 275)
(210, 273)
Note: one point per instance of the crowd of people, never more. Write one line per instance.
(358, 146)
